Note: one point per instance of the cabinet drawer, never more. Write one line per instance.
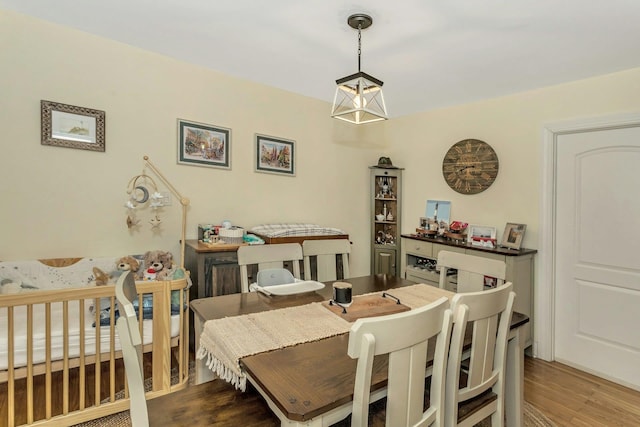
(486, 255)
(430, 278)
(438, 247)
(418, 247)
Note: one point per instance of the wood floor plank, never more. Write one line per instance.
(570, 397)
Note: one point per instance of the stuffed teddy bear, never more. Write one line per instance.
(128, 263)
(124, 264)
(149, 274)
(158, 265)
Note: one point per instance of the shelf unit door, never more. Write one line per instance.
(385, 261)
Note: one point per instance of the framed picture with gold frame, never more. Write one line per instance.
(64, 125)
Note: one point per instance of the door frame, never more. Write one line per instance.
(544, 293)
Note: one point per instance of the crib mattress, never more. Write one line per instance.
(57, 333)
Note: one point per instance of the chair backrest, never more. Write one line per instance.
(131, 345)
(268, 256)
(407, 363)
(325, 252)
(471, 270)
(489, 312)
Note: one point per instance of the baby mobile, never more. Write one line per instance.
(143, 192)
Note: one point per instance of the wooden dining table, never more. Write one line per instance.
(312, 383)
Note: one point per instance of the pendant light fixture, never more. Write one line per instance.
(359, 97)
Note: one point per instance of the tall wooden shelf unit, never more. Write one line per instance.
(386, 214)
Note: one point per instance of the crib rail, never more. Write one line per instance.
(86, 381)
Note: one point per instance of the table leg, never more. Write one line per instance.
(203, 373)
(514, 381)
(202, 291)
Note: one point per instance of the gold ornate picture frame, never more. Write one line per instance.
(64, 125)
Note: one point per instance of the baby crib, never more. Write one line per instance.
(60, 359)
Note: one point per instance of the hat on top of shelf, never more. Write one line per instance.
(385, 162)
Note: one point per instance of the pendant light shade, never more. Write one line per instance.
(359, 97)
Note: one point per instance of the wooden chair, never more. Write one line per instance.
(325, 252)
(473, 396)
(212, 403)
(471, 270)
(407, 364)
(268, 256)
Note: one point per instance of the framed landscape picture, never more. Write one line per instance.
(200, 144)
(70, 126)
(481, 235)
(275, 155)
(438, 214)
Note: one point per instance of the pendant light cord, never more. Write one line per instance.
(359, 45)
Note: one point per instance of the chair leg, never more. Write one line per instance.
(497, 419)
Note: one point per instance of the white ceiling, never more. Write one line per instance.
(429, 53)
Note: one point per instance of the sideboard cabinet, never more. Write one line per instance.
(419, 256)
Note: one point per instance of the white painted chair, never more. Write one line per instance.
(196, 405)
(131, 344)
(268, 256)
(407, 363)
(325, 251)
(471, 270)
(473, 396)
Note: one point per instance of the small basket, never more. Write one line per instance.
(455, 236)
(232, 236)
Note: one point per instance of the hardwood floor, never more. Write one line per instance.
(570, 397)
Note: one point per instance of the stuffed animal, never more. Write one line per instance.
(124, 264)
(161, 262)
(128, 263)
(149, 274)
(102, 278)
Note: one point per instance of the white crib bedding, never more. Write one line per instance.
(57, 337)
(33, 274)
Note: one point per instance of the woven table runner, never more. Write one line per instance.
(224, 342)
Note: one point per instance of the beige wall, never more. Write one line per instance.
(63, 202)
(513, 127)
(59, 202)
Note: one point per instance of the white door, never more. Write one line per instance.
(597, 261)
